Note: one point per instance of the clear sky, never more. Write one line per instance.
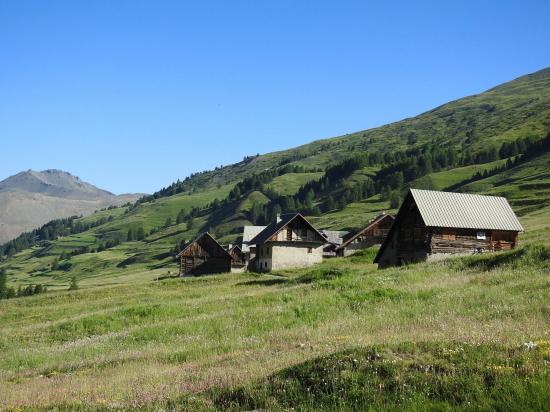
(132, 95)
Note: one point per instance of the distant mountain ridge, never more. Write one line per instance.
(29, 199)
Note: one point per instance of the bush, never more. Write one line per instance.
(74, 284)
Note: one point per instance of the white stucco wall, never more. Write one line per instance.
(288, 257)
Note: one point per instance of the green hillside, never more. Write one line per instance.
(341, 335)
(339, 183)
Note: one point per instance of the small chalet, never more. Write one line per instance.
(238, 258)
(374, 234)
(334, 239)
(204, 255)
(289, 242)
(433, 224)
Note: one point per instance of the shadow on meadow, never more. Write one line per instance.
(530, 255)
(416, 376)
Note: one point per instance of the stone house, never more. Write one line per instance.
(290, 242)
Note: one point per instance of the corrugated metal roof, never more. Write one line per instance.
(464, 210)
(249, 233)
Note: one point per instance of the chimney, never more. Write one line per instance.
(229, 246)
(278, 218)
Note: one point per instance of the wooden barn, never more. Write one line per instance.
(374, 234)
(204, 255)
(238, 258)
(289, 242)
(431, 224)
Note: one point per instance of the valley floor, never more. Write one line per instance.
(184, 340)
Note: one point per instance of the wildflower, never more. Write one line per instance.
(530, 345)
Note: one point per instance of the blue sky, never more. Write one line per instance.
(132, 95)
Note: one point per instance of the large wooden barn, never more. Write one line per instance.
(204, 255)
(290, 242)
(433, 224)
(373, 234)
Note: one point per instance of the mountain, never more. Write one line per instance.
(496, 142)
(30, 199)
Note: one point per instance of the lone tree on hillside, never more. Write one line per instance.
(140, 233)
(74, 284)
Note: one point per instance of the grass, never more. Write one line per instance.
(447, 178)
(206, 340)
(289, 183)
(406, 376)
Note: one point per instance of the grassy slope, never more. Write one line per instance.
(128, 340)
(447, 178)
(290, 183)
(515, 109)
(146, 343)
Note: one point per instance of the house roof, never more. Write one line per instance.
(197, 239)
(373, 222)
(249, 233)
(234, 247)
(334, 236)
(464, 210)
(276, 227)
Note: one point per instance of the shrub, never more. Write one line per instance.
(74, 284)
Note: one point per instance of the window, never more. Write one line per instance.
(289, 234)
(309, 250)
(481, 236)
(265, 265)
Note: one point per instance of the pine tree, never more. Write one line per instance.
(181, 217)
(331, 204)
(74, 284)
(3, 284)
(395, 199)
(255, 212)
(308, 201)
(168, 222)
(130, 237)
(140, 235)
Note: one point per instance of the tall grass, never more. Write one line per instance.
(180, 342)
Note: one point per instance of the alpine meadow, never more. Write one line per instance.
(95, 316)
